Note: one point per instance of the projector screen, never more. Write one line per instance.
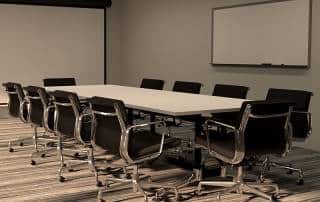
(269, 33)
(40, 41)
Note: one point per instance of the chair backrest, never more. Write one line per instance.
(187, 87)
(231, 91)
(59, 82)
(49, 109)
(17, 104)
(155, 84)
(14, 102)
(35, 112)
(66, 112)
(107, 124)
(300, 117)
(265, 127)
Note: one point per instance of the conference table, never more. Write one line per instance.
(160, 102)
(163, 102)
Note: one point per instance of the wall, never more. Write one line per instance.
(170, 39)
(38, 42)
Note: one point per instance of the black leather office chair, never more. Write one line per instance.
(263, 128)
(155, 84)
(18, 108)
(232, 91)
(112, 132)
(59, 82)
(187, 87)
(300, 120)
(49, 110)
(184, 87)
(73, 128)
(36, 112)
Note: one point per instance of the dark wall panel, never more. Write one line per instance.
(65, 3)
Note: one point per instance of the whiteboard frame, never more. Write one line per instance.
(263, 64)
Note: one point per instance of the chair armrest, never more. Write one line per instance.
(163, 123)
(212, 122)
(151, 156)
(309, 118)
(79, 123)
(46, 117)
(21, 108)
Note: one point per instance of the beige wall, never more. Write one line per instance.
(37, 42)
(170, 39)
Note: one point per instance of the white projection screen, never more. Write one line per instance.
(275, 33)
(37, 42)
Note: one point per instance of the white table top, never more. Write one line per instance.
(158, 101)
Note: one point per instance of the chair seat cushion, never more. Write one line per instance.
(220, 143)
(144, 143)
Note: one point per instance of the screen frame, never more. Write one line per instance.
(263, 65)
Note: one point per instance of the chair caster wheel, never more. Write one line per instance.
(43, 155)
(300, 182)
(178, 198)
(289, 172)
(33, 162)
(62, 179)
(76, 155)
(274, 198)
(197, 193)
(99, 184)
(21, 144)
(11, 150)
(260, 179)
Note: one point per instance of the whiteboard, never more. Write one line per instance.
(269, 33)
(38, 42)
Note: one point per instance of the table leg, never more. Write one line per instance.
(152, 119)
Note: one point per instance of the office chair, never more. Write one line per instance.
(231, 91)
(184, 87)
(187, 87)
(59, 82)
(36, 112)
(147, 83)
(17, 106)
(130, 142)
(155, 84)
(72, 125)
(262, 129)
(300, 121)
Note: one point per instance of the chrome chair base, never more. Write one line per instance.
(267, 164)
(67, 165)
(239, 186)
(18, 141)
(134, 178)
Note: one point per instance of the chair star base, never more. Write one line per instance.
(239, 186)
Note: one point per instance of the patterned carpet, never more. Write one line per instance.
(21, 181)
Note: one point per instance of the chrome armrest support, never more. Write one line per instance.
(165, 132)
(212, 122)
(46, 117)
(309, 117)
(162, 123)
(79, 123)
(22, 104)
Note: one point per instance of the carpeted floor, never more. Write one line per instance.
(21, 181)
